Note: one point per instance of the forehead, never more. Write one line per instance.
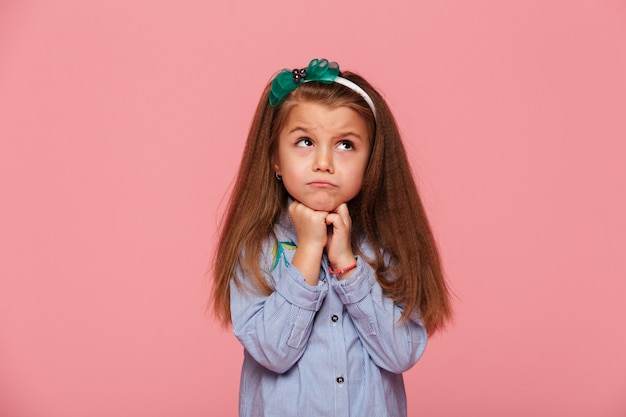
(318, 116)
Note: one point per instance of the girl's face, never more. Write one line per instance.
(322, 154)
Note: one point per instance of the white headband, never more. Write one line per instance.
(352, 86)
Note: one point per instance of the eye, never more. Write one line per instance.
(345, 145)
(304, 142)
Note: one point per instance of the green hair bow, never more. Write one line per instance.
(287, 80)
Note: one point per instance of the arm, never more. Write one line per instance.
(393, 346)
(274, 329)
(311, 230)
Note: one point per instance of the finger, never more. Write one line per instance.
(334, 219)
(293, 207)
(341, 209)
(344, 213)
(302, 215)
(297, 209)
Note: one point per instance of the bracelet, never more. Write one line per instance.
(340, 271)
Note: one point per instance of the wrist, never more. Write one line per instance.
(342, 260)
(342, 267)
(310, 250)
(308, 263)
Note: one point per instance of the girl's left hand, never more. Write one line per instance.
(339, 246)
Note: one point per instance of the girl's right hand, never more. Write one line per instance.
(310, 225)
(312, 235)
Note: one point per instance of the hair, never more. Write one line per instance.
(387, 212)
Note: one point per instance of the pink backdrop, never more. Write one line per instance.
(121, 126)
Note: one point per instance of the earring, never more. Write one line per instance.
(278, 176)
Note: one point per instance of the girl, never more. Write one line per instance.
(326, 264)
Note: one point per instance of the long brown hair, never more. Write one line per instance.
(388, 211)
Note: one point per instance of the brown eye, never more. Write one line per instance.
(305, 142)
(345, 145)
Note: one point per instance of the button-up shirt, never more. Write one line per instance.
(334, 349)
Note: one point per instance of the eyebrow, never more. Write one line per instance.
(341, 135)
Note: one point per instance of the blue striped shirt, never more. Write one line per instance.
(335, 349)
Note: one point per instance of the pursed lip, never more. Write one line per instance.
(321, 184)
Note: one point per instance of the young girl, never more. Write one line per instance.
(326, 264)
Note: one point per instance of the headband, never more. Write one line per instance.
(318, 70)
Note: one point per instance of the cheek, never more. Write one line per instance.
(359, 176)
(288, 168)
(355, 177)
(291, 185)
(360, 167)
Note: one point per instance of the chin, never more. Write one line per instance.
(321, 205)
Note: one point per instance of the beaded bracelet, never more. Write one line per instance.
(340, 271)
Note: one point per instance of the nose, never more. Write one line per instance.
(324, 160)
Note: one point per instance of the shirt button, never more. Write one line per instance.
(340, 380)
(334, 318)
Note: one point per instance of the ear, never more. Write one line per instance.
(276, 165)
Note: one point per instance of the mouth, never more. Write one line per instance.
(322, 184)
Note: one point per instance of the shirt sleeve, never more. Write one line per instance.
(275, 329)
(392, 345)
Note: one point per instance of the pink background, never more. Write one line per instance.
(122, 124)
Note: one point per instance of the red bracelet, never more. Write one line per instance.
(340, 271)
